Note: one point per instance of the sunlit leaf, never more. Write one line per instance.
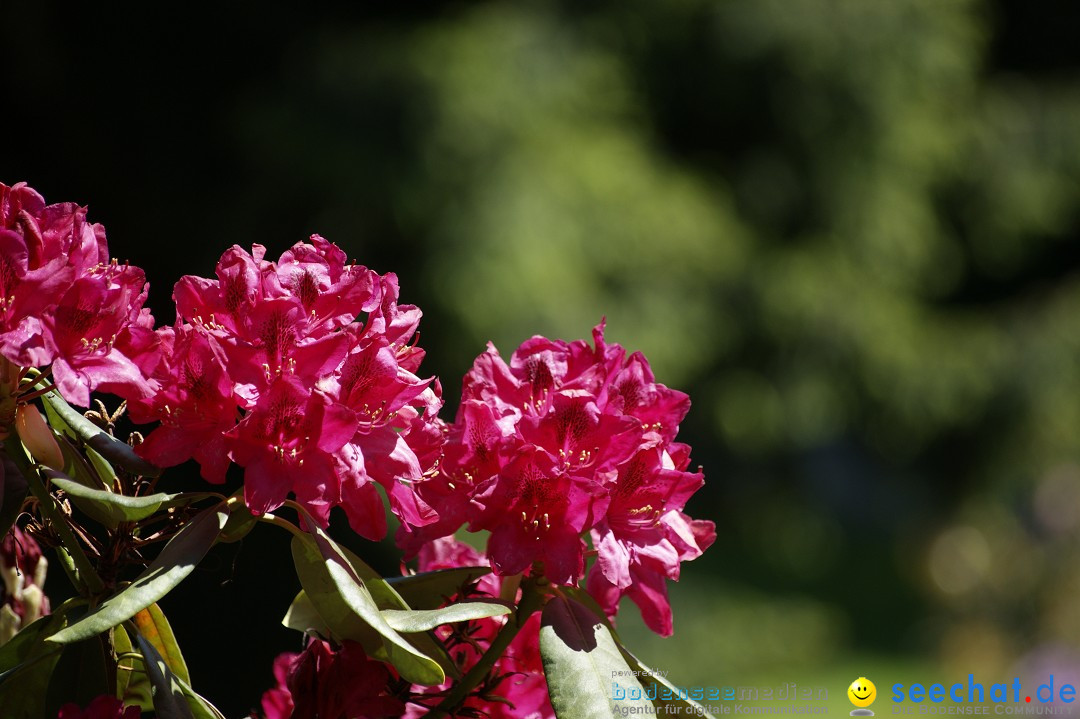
(422, 620)
(580, 659)
(660, 690)
(155, 628)
(132, 683)
(349, 610)
(663, 692)
(304, 617)
(120, 507)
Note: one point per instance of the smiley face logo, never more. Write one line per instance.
(862, 692)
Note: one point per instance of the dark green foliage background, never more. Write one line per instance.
(848, 228)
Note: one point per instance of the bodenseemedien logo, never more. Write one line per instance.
(862, 694)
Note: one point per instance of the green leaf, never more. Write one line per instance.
(119, 507)
(155, 628)
(79, 676)
(582, 662)
(132, 683)
(386, 597)
(422, 620)
(13, 489)
(304, 617)
(27, 642)
(76, 465)
(348, 608)
(23, 690)
(27, 662)
(663, 691)
(175, 562)
(200, 707)
(169, 699)
(428, 590)
(241, 521)
(104, 514)
(64, 417)
(139, 691)
(101, 466)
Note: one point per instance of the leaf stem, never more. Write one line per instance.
(532, 597)
(72, 557)
(283, 523)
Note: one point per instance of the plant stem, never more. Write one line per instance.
(532, 596)
(283, 523)
(72, 557)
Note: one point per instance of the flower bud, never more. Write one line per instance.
(38, 437)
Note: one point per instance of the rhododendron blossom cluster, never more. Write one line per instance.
(569, 439)
(302, 371)
(65, 304)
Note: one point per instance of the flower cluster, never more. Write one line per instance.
(516, 688)
(64, 303)
(321, 683)
(569, 439)
(22, 571)
(302, 371)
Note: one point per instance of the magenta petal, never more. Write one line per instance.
(73, 386)
(613, 559)
(389, 456)
(511, 550)
(606, 594)
(563, 556)
(169, 446)
(409, 507)
(266, 485)
(365, 510)
(213, 458)
(26, 344)
(336, 425)
(649, 592)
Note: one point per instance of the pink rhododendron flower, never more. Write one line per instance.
(277, 702)
(323, 683)
(518, 689)
(302, 372)
(194, 401)
(22, 582)
(64, 303)
(644, 536)
(102, 707)
(568, 439)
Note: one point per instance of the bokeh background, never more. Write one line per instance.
(848, 228)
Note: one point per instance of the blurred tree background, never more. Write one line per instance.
(848, 228)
